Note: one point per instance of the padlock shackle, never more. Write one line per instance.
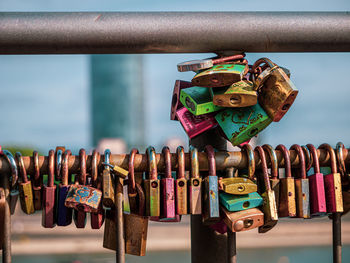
(152, 163)
(58, 163)
(37, 179)
(211, 160)
(51, 169)
(263, 61)
(141, 199)
(22, 169)
(229, 58)
(82, 164)
(194, 172)
(339, 152)
(332, 156)
(314, 156)
(308, 158)
(167, 160)
(261, 154)
(94, 167)
(180, 172)
(131, 185)
(248, 149)
(14, 172)
(107, 157)
(273, 159)
(286, 157)
(65, 169)
(300, 153)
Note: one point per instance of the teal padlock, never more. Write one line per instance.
(220, 75)
(198, 100)
(241, 124)
(240, 202)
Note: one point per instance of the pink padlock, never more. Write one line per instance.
(175, 101)
(195, 125)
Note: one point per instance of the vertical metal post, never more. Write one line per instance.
(206, 245)
(6, 250)
(120, 250)
(336, 231)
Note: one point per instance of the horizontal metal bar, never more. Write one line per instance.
(173, 32)
(223, 160)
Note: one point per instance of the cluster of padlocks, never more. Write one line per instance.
(227, 93)
(250, 198)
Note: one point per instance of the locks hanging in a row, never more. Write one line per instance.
(237, 99)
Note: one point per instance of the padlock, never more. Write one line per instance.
(197, 65)
(198, 100)
(117, 170)
(211, 190)
(194, 184)
(287, 205)
(238, 186)
(274, 181)
(175, 101)
(14, 193)
(243, 220)
(37, 182)
(58, 162)
(195, 125)
(180, 183)
(96, 218)
(345, 177)
(136, 226)
(248, 149)
(25, 187)
(276, 92)
(332, 184)
(220, 75)
(152, 187)
(2, 214)
(302, 196)
(79, 216)
(132, 193)
(48, 219)
(239, 94)
(241, 124)
(167, 188)
(240, 202)
(268, 195)
(64, 214)
(108, 183)
(316, 187)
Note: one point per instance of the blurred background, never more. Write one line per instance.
(123, 101)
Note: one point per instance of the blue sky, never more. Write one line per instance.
(45, 99)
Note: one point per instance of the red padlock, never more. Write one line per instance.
(316, 184)
(48, 219)
(97, 218)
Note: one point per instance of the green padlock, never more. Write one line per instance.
(198, 100)
(241, 124)
(220, 75)
(239, 94)
(240, 202)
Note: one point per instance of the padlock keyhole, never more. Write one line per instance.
(246, 204)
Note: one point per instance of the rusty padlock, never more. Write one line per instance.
(37, 182)
(14, 193)
(345, 178)
(175, 101)
(181, 183)
(195, 184)
(108, 183)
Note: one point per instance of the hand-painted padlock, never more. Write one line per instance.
(274, 181)
(243, 220)
(332, 184)
(152, 185)
(316, 187)
(48, 219)
(287, 205)
(195, 125)
(198, 100)
(195, 184)
(64, 214)
(238, 186)
(269, 204)
(211, 190)
(14, 193)
(181, 183)
(196, 65)
(240, 202)
(175, 101)
(96, 218)
(276, 92)
(239, 94)
(302, 196)
(25, 187)
(220, 75)
(241, 124)
(37, 183)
